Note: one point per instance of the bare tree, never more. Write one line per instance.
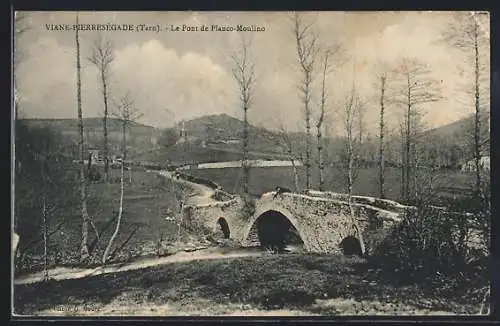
(307, 53)
(381, 159)
(468, 33)
(326, 68)
(244, 74)
(102, 56)
(361, 132)
(126, 113)
(84, 250)
(350, 117)
(416, 88)
(286, 142)
(352, 108)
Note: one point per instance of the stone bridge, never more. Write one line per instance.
(321, 220)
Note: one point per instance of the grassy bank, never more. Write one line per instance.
(263, 283)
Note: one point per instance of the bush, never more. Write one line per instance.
(94, 175)
(425, 241)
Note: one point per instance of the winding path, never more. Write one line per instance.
(203, 193)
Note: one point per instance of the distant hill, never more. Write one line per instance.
(460, 131)
(140, 137)
(450, 144)
(218, 138)
(227, 130)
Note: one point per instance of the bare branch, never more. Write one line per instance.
(307, 52)
(102, 54)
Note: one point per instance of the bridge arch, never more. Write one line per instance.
(351, 245)
(222, 226)
(267, 211)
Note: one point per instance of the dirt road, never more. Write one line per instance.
(66, 273)
(281, 285)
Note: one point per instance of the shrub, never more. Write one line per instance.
(94, 175)
(425, 241)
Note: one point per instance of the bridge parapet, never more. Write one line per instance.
(372, 201)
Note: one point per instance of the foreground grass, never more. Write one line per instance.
(296, 283)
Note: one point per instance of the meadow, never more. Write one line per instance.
(148, 200)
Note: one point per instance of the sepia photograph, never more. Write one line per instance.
(223, 163)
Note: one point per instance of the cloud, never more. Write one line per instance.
(190, 73)
(157, 78)
(417, 36)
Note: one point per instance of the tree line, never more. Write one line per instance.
(404, 88)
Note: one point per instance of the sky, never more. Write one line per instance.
(189, 74)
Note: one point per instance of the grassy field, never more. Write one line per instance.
(335, 285)
(266, 179)
(148, 199)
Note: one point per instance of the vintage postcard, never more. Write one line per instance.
(250, 163)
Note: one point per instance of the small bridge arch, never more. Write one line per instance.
(222, 226)
(351, 245)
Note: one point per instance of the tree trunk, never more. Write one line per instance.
(408, 145)
(350, 183)
(477, 125)
(350, 158)
(308, 142)
(245, 150)
(415, 175)
(381, 167)
(84, 250)
(105, 126)
(45, 258)
(403, 165)
(295, 173)
(120, 209)
(320, 160)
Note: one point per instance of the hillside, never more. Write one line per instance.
(227, 130)
(222, 133)
(139, 137)
(449, 145)
(214, 138)
(460, 132)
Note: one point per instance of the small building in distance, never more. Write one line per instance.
(470, 166)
